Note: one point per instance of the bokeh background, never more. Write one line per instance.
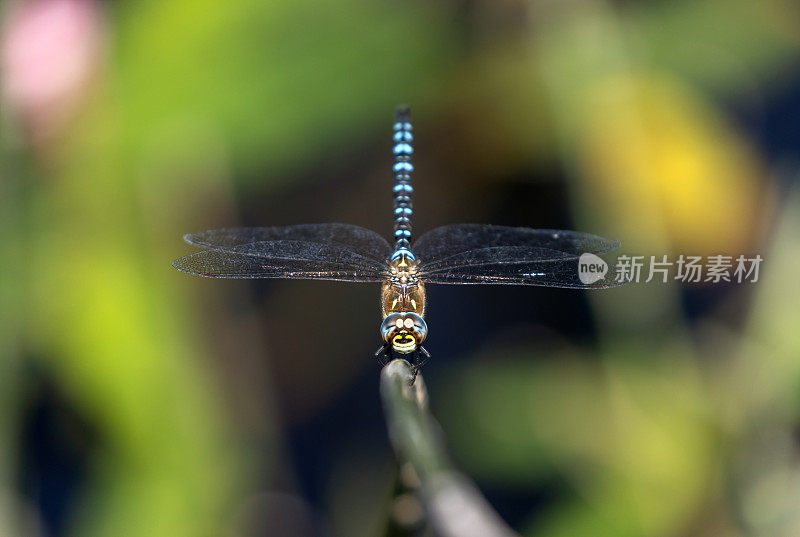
(138, 401)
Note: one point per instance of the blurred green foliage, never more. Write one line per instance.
(309, 68)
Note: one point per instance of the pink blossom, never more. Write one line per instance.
(48, 51)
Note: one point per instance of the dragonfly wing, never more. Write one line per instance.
(444, 242)
(354, 238)
(515, 266)
(284, 259)
(475, 254)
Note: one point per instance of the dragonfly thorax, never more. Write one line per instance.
(401, 298)
(402, 291)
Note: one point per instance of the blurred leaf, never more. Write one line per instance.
(771, 368)
(732, 46)
(644, 147)
(275, 78)
(13, 284)
(663, 143)
(634, 442)
(509, 432)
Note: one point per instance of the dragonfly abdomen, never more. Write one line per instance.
(402, 179)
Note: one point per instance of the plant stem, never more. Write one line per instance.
(453, 504)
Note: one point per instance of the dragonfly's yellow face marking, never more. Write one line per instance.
(404, 342)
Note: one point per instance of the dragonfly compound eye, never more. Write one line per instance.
(391, 325)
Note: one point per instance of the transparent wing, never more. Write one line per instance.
(353, 238)
(485, 254)
(437, 246)
(514, 266)
(284, 259)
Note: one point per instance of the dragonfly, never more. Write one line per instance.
(451, 254)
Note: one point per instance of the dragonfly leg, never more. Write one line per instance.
(421, 357)
(383, 354)
(423, 352)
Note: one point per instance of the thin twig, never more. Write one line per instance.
(453, 504)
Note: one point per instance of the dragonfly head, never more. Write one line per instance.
(404, 331)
